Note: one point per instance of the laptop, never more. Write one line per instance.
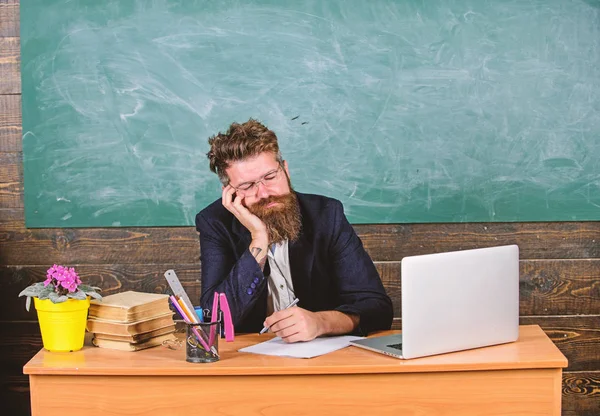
(455, 301)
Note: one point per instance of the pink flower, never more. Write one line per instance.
(62, 276)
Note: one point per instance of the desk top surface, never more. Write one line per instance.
(532, 350)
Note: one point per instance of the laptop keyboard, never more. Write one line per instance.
(396, 346)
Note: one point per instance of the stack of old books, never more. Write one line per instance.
(131, 321)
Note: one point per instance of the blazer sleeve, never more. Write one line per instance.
(359, 286)
(241, 279)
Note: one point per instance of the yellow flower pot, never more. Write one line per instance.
(62, 324)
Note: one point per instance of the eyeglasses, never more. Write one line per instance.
(267, 180)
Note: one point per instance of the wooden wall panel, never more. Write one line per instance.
(11, 182)
(10, 123)
(565, 240)
(10, 78)
(580, 393)
(9, 18)
(560, 287)
(171, 245)
(14, 395)
(542, 291)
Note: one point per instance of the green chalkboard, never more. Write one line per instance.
(406, 111)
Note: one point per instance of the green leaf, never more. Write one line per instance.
(44, 293)
(28, 303)
(80, 295)
(55, 298)
(44, 296)
(94, 295)
(87, 288)
(32, 290)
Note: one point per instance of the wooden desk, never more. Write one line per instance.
(512, 379)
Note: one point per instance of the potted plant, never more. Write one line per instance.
(62, 304)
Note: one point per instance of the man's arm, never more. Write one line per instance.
(364, 305)
(241, 279)
(358, 284)
(297, 324)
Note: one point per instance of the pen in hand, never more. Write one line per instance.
(295, 301)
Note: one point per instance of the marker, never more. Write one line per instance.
(295, 301)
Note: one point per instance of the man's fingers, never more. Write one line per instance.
(291, 336)
(297, 337)
(291, 326)
(284, 325)
(227, 196)
(237, 203)
(278, 316)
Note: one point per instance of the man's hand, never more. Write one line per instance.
(258, 229)
(295, 324)
(234, 205)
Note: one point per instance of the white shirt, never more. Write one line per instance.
(279, 284)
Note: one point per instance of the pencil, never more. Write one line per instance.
(295, 301)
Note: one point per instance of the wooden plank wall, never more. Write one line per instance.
(560, 262)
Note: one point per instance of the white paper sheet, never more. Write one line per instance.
(310, 349)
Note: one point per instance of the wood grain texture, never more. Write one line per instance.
(10, 61)
(172, 244)
(20, 341)
(560, 287)
(578, 337)
(14, 394)
(11, 182)
(10, 124)
(547, 287)
(9, 18)
(581, 393)
(564, 240)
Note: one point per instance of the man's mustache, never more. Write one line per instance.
(263, 203)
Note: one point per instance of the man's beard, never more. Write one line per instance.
(283, 221)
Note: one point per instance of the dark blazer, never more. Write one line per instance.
(330, 269)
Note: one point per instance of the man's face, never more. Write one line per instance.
(265, 186)
(259, 171)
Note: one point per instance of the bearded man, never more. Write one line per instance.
(263, 245)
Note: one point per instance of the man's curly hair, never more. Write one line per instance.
(240, 142)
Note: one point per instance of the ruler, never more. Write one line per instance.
(177, 289)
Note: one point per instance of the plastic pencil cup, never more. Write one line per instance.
(202, 342)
